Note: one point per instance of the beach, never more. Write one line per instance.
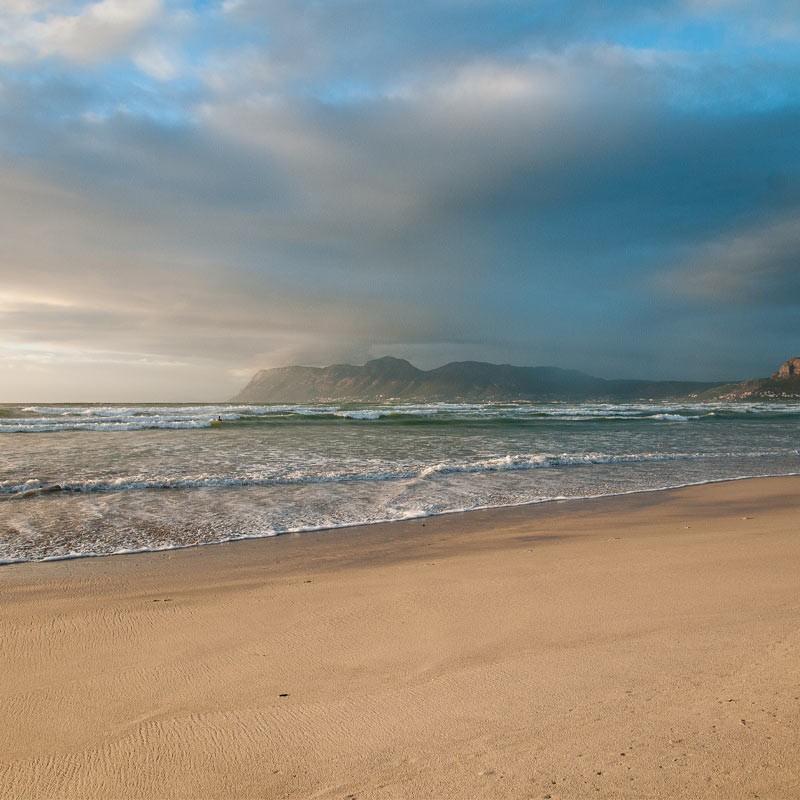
(643, 645)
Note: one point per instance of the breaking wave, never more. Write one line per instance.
(121, 418)
(35, 487)
(69, 488)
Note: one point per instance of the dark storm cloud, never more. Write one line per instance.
(269, 182)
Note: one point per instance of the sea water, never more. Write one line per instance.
(81, 480)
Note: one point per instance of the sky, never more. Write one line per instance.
(191, 191)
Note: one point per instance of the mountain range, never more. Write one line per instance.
(390, 378)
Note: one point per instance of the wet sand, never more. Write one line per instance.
(637, 646)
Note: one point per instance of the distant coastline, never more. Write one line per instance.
(395, 379)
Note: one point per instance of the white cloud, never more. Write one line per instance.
(157, 63)
(96, 31)
(18, 8)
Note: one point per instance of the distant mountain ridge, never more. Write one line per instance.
(467, 381)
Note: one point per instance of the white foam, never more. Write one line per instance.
(406, 515)
(53, 426)
(115, 418)
(529, 461)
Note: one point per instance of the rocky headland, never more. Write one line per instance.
(781, 385)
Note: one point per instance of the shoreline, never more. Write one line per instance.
(349, 526)
(637, 645)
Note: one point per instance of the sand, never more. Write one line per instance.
(637, 646)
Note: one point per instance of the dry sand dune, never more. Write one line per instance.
(639, 646)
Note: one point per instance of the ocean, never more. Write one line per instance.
(89, 480)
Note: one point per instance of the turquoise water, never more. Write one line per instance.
(79, 480)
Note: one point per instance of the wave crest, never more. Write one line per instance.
(33, 487)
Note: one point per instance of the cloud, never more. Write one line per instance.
(93, 32)
(21, 8)
(743, 267)
(244, 187)
(157, 63)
